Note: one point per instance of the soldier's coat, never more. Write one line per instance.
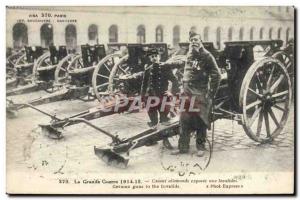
(155, 80)
(201, 79)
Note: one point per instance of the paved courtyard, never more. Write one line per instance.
(28, 150)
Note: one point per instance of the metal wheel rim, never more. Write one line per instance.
(38, 64)
(76, 63)
(60, 67)
(117, 67)
(286, 61)
(108, 68)
(262, 112)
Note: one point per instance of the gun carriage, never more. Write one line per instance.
(12, 55)
(72, 76)
(22, 65)
(255, 91)
(133, 62)
(43, 71)
(11, 58)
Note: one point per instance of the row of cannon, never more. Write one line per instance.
(256, 86)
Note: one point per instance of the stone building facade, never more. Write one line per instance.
(74, 26)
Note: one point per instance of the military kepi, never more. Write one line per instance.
(192, 34)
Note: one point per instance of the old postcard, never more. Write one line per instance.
(150, 100)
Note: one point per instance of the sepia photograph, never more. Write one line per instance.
(150, 100)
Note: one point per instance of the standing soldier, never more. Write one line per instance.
(155, 83)
(201, 80)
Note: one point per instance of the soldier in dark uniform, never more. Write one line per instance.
(155, 83)
(201, 80)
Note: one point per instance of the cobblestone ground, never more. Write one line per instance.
(29, 150)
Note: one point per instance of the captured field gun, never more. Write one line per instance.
(20, 66)
(72, 76)
(252, 91)
(255, 91)
(11, 59)
(43, 71)
(135, 61)
(12, 56)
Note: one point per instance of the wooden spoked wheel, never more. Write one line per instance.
(42, 62)
(101, 74)
(76, 63)
(12, 59)
(286, 60)
(265, 99)
(61, 71)
(119, 70)
(21, 60)
(25, 76)
(11, 71)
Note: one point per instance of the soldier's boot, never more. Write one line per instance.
(164, 119)
(201, 151)
(153, 116)
(183, 145)
(151, 124)
(200, 142)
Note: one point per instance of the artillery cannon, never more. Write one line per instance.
(11, 58)
(20, 66)
(72, 76)
(252, 91)
(43, 71)
(136, 61)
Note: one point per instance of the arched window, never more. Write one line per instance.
(288, 30)
(206, 34)
(176, 35)
(241, 33)
(279, 33)
(270, 33)
(46, 35)
(141, 34)
(113, 33)
(219, 38)
(20, 35)
(252, 33)
(230, 33)
(93, 33)
(71, 36)
(159, 34)
(261, 33)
